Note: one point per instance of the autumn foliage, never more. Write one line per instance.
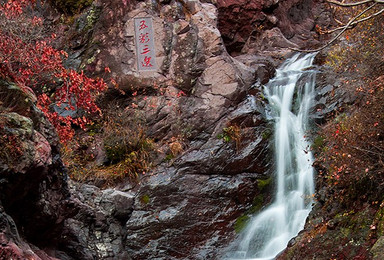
(351, 150)
(28, 59)
(361, 47)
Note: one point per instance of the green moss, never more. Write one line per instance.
(241, 223)
(168, 157)
(266, 134)
(257, 204)
(145, 199)
(380, 221)
(345, 232)
(263, 184)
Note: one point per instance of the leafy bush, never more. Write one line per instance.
(361, 50)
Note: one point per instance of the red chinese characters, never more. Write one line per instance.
(145, 44)
(147, 62)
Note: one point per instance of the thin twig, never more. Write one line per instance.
(350, 4)
(366, 151)
(357, 22)
(340, 33)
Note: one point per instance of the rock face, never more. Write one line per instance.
(291, 23)
(216, 178)
(38, 210)
(94, 224)
(33, 181)
(180, 216)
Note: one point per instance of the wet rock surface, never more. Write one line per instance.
(94, 227)
(183, 216)
(291, 23)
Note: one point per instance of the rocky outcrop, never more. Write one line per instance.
(223, 132)
(41, 217)
(248, 25)
(33, 180)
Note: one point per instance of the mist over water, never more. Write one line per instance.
(290, 95)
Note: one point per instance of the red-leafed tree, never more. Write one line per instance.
(28, 59)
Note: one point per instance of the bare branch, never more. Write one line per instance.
(350, 4)
(355, 4)
(357, 22)
(344, 28)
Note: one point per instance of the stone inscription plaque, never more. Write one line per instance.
(145, 46)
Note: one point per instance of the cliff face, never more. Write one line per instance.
(188, 206)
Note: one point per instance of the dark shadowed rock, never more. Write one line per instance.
(231, 155)
(33, 184)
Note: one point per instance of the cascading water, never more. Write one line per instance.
(269, 232)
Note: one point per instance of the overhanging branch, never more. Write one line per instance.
(355, 4)
(345, 27)
(357, 22)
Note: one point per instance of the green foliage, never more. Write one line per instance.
(379, 220)
(264, 184)
(257, 204)
(169, 157)
(318, 143)
(231, 133)
(266, 134)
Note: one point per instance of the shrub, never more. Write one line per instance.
(361, 50)
(128, 150)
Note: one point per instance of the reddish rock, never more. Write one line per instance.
(241, 21)
(237, 20)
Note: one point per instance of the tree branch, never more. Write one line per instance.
(344, 28)
(357, 22)
(355, 4)
(349, 4)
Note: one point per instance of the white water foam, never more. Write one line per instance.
(269, 232)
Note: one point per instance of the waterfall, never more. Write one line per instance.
(290, 95)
